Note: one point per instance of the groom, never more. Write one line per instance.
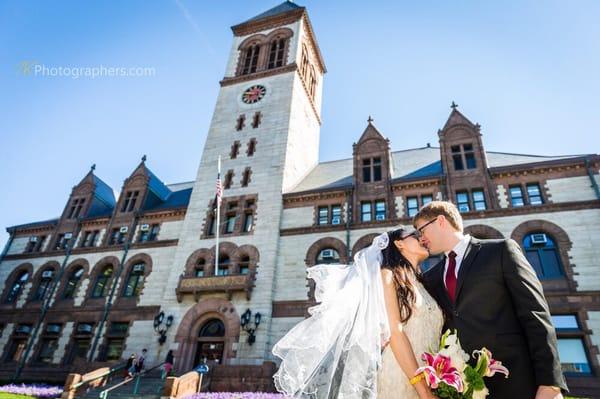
(491, 295)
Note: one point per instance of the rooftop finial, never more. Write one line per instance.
(454, 105)
(370, 119)
(93, 167)
(144, 158)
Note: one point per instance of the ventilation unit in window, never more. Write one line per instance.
(539, 238)
(84, 328)
(327, 253)
(24, 329)
(335, 220)
(380, 217)
(33, 239)
(145, 227)
(53, 328)
(68, 236)
(47, 274)
(123, 229)
(138, 268)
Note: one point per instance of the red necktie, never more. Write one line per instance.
(451, 275)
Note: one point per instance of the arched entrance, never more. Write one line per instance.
(211, 343)
(208, 329)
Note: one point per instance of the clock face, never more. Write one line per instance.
(254, 94)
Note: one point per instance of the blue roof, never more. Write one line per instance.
(177, 199)
(103, 191)
(280, 9)
(157, 186)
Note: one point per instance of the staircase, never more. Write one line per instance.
(150, 387)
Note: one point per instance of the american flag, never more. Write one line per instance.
(219, 187)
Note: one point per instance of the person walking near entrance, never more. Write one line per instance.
(168, 366)
(139, 364)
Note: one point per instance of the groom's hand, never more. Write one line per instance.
(547, 392)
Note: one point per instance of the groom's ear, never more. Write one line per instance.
(443, 221)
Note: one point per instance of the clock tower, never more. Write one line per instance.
(265, 127)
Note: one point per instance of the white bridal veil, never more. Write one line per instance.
(336, 352)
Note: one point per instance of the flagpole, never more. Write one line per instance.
(217, 223)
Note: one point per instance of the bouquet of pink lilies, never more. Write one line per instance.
(450, 376)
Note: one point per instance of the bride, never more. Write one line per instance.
(366, 336)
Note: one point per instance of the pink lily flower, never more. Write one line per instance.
(487, 366)
(439, 369)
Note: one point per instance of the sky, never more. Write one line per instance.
(527, 71)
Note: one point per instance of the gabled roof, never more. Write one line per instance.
(457, 118)
(370, 133)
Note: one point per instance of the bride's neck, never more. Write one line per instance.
(414, 262)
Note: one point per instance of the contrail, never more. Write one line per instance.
(188, 17)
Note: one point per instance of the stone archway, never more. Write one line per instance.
(194, 319)
(483, 232)
(363, 242)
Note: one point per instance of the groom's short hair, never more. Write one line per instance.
(437, 208)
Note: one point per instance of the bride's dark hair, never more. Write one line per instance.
(402, 271)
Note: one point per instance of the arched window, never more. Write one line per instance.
(43, 287)
(312, 82)
(213, 328)
(328, 255)
(17, 286)
(135, 280)
(276, 53)
(245, 265)
(201, 268)
(250, 63)
(304, 62)
(72, 283)
(542, 253)
(102, 284)
(224, 263)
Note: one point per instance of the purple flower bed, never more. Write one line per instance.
(236, 395)
(38, 391)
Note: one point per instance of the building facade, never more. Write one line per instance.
(84, 290)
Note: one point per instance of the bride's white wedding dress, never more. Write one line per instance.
(336, 353)
(423, 330)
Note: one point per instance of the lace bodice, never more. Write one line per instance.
(423, 330)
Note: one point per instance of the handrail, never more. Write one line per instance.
(104, 394)
(112, 370)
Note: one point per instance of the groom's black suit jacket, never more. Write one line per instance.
(500, 305)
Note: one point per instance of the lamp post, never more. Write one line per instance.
(245, 323)
(159, 319)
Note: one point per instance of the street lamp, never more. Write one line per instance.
(245, 323)
(159, 319)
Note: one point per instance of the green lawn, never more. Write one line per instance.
(4, 395)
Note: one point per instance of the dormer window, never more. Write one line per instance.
(76, 207)
(463, 157)
(371, 170)
(130, 200)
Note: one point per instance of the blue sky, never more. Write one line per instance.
(527, 71)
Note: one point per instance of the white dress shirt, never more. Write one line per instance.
(460, 250)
